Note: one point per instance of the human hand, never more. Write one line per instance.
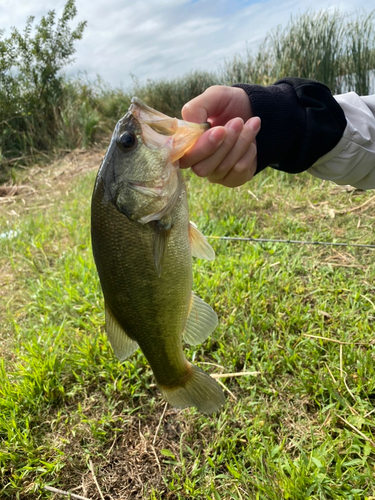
(226, 154)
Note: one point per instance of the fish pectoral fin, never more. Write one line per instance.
(162, 231)
(201, 322)
(200, 247)
(123, 346)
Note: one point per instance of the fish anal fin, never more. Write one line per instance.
(201, 322)
(200, 247)
(123, 346)
(199, 389)
(162, 229)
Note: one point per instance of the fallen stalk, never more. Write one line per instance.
(237, 374)
(65, 493)
(297, 242)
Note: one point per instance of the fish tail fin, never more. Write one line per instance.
(199, 390)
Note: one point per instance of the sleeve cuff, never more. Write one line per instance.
(301, 121)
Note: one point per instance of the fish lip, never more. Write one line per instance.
(137, 104)
(139, 187)
(155, 190)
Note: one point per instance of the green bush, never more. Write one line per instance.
(168, 96)
(31, 82)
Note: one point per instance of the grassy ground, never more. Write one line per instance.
(300, 317)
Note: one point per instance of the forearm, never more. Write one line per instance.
(352, 160)
(304, 127)
(301, 122)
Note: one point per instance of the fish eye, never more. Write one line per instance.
(126, 141)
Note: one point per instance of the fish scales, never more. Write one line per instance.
(142, 244)
(155, 308)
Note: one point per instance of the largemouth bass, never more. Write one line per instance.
(143, 243)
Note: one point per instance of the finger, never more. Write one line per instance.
(243, 170)
(211, 103)
(244, 141)
(205, 146)
(232, 130)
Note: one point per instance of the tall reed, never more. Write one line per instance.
(329, 46)
(360, 55)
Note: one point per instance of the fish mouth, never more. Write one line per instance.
(152, 192)
(154, 188)
(162, 130)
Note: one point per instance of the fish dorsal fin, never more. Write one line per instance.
(162, 229)
(201, 322)
(123, 346)
(199, 245)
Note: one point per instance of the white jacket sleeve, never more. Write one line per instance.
(352, 160)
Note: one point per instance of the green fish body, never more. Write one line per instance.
(142, 244)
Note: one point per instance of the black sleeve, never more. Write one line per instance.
(301, 121)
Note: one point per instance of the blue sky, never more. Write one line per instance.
(154, 39)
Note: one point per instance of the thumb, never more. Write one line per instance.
(209, 104)
(195, 110)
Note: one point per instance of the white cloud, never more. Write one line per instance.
(154, 39)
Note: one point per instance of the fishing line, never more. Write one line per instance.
(296, 242)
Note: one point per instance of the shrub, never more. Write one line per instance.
(31, 82)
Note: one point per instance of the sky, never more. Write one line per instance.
(162, 39)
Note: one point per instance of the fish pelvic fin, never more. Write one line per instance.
(199, 390)
(200, 247)
(123, 346)
(201, 322)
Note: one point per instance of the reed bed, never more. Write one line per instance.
(329, 46)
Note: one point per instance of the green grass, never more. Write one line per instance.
(300, 428)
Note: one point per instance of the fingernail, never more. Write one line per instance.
(254, 123)
(235, 124)
(216, 135)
